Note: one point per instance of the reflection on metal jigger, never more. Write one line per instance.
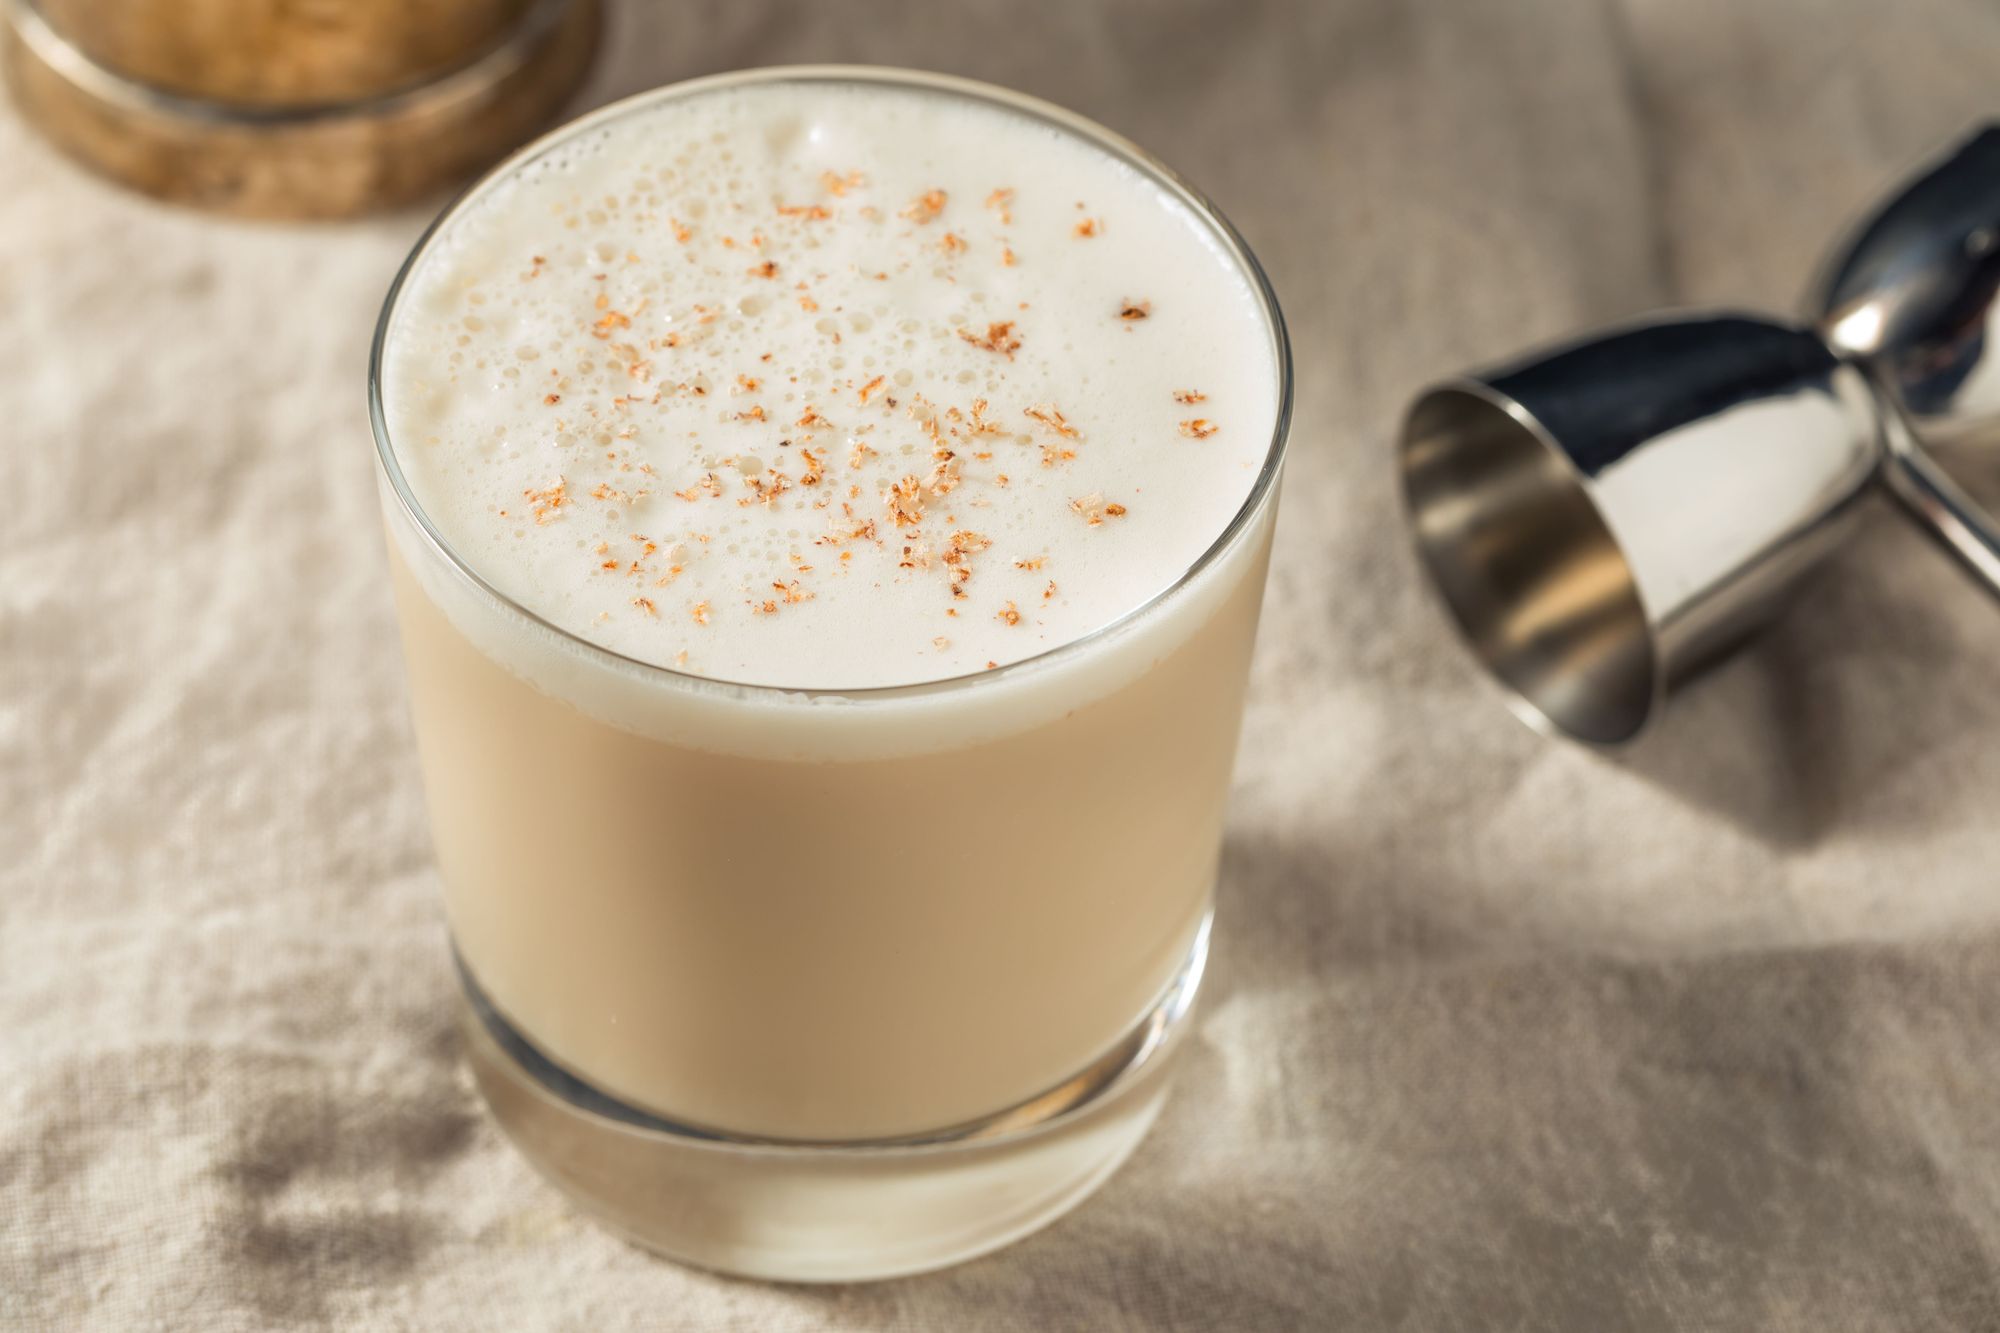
(1606, 518)
(1914, 295)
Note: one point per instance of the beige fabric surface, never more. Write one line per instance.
(1502, 1034)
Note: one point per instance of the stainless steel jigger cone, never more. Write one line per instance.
(1608, 517)
(1604, 519)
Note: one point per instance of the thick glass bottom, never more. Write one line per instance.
(831, 1212)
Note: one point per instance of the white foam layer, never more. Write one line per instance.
(721, 718)
(605, 364)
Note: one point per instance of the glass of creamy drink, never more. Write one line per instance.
(828, 510)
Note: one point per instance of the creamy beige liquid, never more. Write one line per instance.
(765, 911)
(749, 943)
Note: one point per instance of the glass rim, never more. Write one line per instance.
(1069, 122)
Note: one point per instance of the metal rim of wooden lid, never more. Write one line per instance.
(319, 160)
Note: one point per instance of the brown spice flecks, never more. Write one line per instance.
(952, 243)
(807, 304)
(682, 232)
(1006, 257)
(1000, 337)
(859, 452)
(925, 207)
(700, 613)
(1030, 561)
(792, 593)
(1001, 201)
(868, 390)
(981, 424)
(840, 185)
(552, 399)
(607, 322)
(754, 414)
(1047, 415)
(1134, 311)
(765, 489)
(853, 530)
(810, 212)
(811, 419)
(548, 499)
(746, 384)
(1094, 510)
(1190, 396)
(815, 467)
(1087, 228)
(1199, 428)
(767, 269)
(709, 483)
(1049, 591)
(645, 604)
(943, 478)
(906, 502)
(1009, 615)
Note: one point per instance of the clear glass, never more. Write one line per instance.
(785, 1056)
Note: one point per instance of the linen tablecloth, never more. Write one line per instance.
(1502, 1033)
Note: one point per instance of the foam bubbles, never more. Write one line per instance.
(690, 356)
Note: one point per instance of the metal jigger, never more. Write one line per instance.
(1608, 517)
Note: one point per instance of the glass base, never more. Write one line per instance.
(831, 1212)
